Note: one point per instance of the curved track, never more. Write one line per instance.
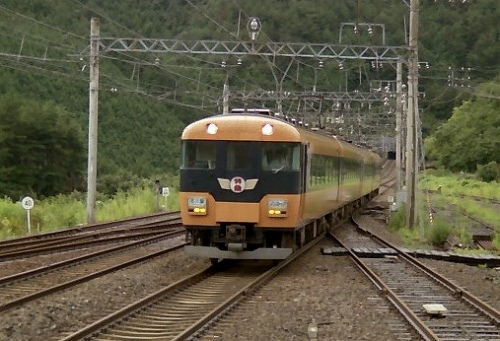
(411, 286)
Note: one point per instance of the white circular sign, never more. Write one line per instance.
(27, 203)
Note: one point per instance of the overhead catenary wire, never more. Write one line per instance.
(68, 49)
(262, 32)
(161, 66)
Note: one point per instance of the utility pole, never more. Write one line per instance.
(225, 99)
(240, 48)
(411, 135)
(93, 120)
(399, 111)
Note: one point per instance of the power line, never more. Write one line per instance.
(52, 62)
(42, 23)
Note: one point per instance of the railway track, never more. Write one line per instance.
(21, 288)
(317, 324)
(481, 231)
(93, 235)
(486, 226)
(196, 312)
(187, 307)
(464, 196)
(434, 306)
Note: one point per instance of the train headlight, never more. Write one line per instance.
(277, 208)
(267, 129)
(212, 129)
(197, 205)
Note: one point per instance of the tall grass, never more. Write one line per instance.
(460, 184)
(71, 210)
(397, 224)
(450, 187)
(454, 224)
(453, 185)
(13, 219)
(439, 232)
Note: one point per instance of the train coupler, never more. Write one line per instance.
(236, 237)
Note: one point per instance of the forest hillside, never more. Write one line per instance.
(146, 99)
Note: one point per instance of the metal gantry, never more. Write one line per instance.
(244, 48)
(362, 124)
(331, 96)
(356, 115)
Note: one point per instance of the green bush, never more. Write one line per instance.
(496, 241)
(397, 220)
(465, 236)
(489, 172)
(439, 232)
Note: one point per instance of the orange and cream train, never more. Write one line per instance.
(255, 186)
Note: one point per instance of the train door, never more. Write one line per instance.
(337, 165)
(362, 176)
(305, 171)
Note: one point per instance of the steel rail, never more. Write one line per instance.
(12, 280)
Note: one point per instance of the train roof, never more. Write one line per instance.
(244, 126)
(248, 126)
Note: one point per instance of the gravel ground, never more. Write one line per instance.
(16, 266)
(53, 317)
(481, 282)
(328, 289)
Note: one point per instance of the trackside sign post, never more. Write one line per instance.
(27, 203)
(165, 192)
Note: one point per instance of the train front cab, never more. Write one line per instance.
(236, 202)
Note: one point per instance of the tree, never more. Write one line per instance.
(146, 99)
(471, 137)
(41, 151)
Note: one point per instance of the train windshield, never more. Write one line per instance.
(241, 155)
(198, 154)
(238, 155)
(280, 156)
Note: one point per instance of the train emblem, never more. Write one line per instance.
(237, 184)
